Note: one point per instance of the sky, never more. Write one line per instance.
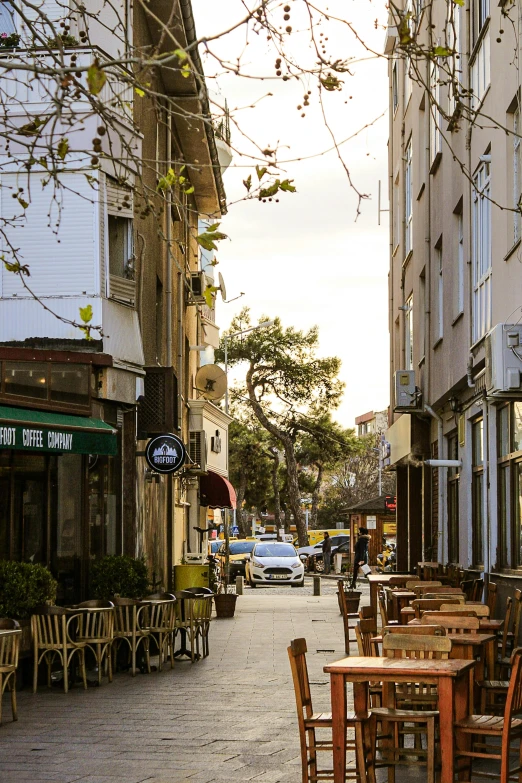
(307, 259)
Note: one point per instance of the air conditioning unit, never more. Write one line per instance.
(407, 396)
(199, 283)
(198, 451)
(503, 346)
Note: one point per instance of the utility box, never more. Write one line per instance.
(503, 346)
(407, 396)
(190, 576)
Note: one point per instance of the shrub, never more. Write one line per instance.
(9, 41)
(23, 587)
(119, 575)
(61, 41)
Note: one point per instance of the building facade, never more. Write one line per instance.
(76, 409)
(372, 423)
(454, 285)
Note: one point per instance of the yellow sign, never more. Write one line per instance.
(390, 528)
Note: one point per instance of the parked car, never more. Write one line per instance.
(274, 562)
(312, 556)
(240, 552)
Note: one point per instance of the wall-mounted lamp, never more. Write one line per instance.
(454, 404)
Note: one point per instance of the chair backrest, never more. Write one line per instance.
(49, 626)
(415, 646)
(467, 587)
(505, 628)
(128, 614)
(6, 624)
(477, 590)
(481, 610)
(367, 613)
(199, 590)
(453, 624)
(94, 604)
(514, 694)
(303, 697)
(460, 597)
(160, 597)
(443, 590)
(200, 608)
(421, 605)
(415, 630)
(9, 645)
(422, 586)
(95, 621)
(162, 613)
(517, 607)
(365, 630)
(382, 609)
(399, 581)
(491, 598)
(414, 583)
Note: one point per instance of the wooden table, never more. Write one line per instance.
(467, 646)
(486, 625)
(384, 579)
(400, 600)
(450, 676)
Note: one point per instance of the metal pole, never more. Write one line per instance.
(226, 373)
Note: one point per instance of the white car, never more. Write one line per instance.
(274, 562)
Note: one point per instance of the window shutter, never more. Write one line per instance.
(120, 201)
(157, 411)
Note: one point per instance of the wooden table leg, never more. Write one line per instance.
(490, 659)
(373, 596)
(446, 695)
(463, 742)
(365, 754)
(339, 707)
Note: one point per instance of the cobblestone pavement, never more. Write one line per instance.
(230, 717)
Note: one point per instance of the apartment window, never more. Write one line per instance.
(481, 251)
(121, 259)
(48, 384)
(408, 334)
(395, 87)
(480, 65)
(477, 487)
(517, 175)
(422, 313)
(459, 239)
(408, 196)
(454, 43)
(407, 81)
(509, 449)
(435, 116)
(7, 24)
(396, 206)
(440, 291)
(453, 501)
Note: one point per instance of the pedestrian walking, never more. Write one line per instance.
(360, 555)
(327, 552)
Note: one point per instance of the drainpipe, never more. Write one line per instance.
(440, 440)
(485, 450)
(168, 286)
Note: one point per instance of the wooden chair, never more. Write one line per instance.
(131, 625)
(416, 630)
(200, 615)
(10, 635)
(467, 587)
(442, 590)
(452, 624)
(460, 597)
(410, 646)
(309, 722)
(346, 615)
(421, 605)
(367, 613)
(480, 610)
(95, 627)
(513, 634)
(494, 692)
(162, 624)
(421, 587)
(365, 631)
(53, 637)
(477, 590)
(384, 611)
(504, 728)
(491, 598)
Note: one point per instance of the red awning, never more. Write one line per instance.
(216, 491)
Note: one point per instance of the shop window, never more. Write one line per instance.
(477, 487)
(54, 385)
(509, 444)
(121, 260)
(104, 506)
(453, 501)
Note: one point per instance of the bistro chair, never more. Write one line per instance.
(421, 605)
(411, 646)
(460, 597)
(309, 722)
(201, 617)
(162, 625)
(422, 587)
(442, 590)
(52, 629)
(131, 625)
(452, 623)
(493, 692)
(384, 611)
(504, 728)
(346, 615)
(199, 590)
(415, 630)
(192, 621)
(95, 627)
(480, 610)
(10, 635)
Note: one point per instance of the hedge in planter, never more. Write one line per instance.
(119, 575)
(23, 587)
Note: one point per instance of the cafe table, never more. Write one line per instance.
(375, 580)
(451, 676)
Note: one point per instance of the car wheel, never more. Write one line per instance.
(251, 583)
(299, 584)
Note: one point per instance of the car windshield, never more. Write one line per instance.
(241, 547)
(275, 549)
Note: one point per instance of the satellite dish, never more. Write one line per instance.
(211, 382)
(222, 287)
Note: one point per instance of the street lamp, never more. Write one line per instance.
(236, 334)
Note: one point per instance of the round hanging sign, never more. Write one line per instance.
(165, 453)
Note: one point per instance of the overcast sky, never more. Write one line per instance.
(305, 258)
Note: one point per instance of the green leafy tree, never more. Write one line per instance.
(250, 467)
(284, 380)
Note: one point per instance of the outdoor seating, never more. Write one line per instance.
(504, 729)
(410, 646)
(10, 634)
(309, 722)
(192, 622)
(201, 615)
(346, 614)
(95, 627)
(131, 626)
(53, 637)
(162, 623)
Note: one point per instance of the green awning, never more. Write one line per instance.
(30, 430)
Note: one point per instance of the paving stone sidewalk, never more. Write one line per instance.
(230, 717)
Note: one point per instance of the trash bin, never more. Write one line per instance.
(191, 576)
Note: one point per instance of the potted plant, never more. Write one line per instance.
(23, 587)
(9, 40)
(119, 575)
(224, 600)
